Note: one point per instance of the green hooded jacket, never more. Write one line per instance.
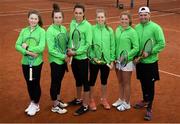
(104, 37)
(53, 54)
(126, 40)
(85, 29)
(39, 34)
(152, 31)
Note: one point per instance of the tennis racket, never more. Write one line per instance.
(123, 58)
(95, 54)
(31, 42)
(61, 41)
(147, 48)
(76, 38)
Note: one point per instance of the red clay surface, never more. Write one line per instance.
(14, 97)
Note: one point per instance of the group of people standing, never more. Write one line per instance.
(125, 38)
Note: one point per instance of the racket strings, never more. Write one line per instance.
(123, 58)
(76, 38)
(95, 54)
(61, 43)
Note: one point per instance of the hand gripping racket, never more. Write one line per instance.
(76, 39)
(31, 42)
(61, 42)
(123, 58)
(95, 54)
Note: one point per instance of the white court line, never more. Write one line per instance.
(114, 22)
(27, 9)
(45, 11)
(169, 73)
(160, 15)
(171, 29)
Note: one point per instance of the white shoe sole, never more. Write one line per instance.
(34, 113)
(62, 112)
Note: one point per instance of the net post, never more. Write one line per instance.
(132, 4)
(117, 3)
(147, 3)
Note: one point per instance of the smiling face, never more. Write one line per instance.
(144, 17)
(33, 20)
(78, 14)
(58, 18)
(100, 18)
(124, 20)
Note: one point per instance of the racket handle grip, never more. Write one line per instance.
(70, 61)
(109, 66)
(30, 74)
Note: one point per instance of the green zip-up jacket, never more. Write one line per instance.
(85, 29)
(53, 54)
(39, 34)
(153, 31)
(105, 39)
(126, 39)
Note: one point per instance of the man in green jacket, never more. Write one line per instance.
(147, 67)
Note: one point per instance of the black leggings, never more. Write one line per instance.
(148, 91)
(80, 72)
(94, 69)
(57, 74)
(33, 86)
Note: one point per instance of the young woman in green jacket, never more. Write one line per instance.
(57, 58)
(147, 67)
(104, 37)
(34, 30)
(80, 62)
(126, 39)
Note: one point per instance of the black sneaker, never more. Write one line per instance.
(75, 102)
(81, 110)
(148, 115)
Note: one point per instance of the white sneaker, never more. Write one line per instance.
(58, 109)
(27, 109)
(121, 107)
(33, 109)
(62, 104)
(117, 103)
(127, 105)
(124, 106)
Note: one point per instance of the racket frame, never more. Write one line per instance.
(97, 60)
(30, 59)
(120, 60)
(73, 45)
(143, 50)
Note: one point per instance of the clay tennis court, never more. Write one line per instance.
(14, 97)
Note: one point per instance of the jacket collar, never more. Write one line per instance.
(57, 27)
